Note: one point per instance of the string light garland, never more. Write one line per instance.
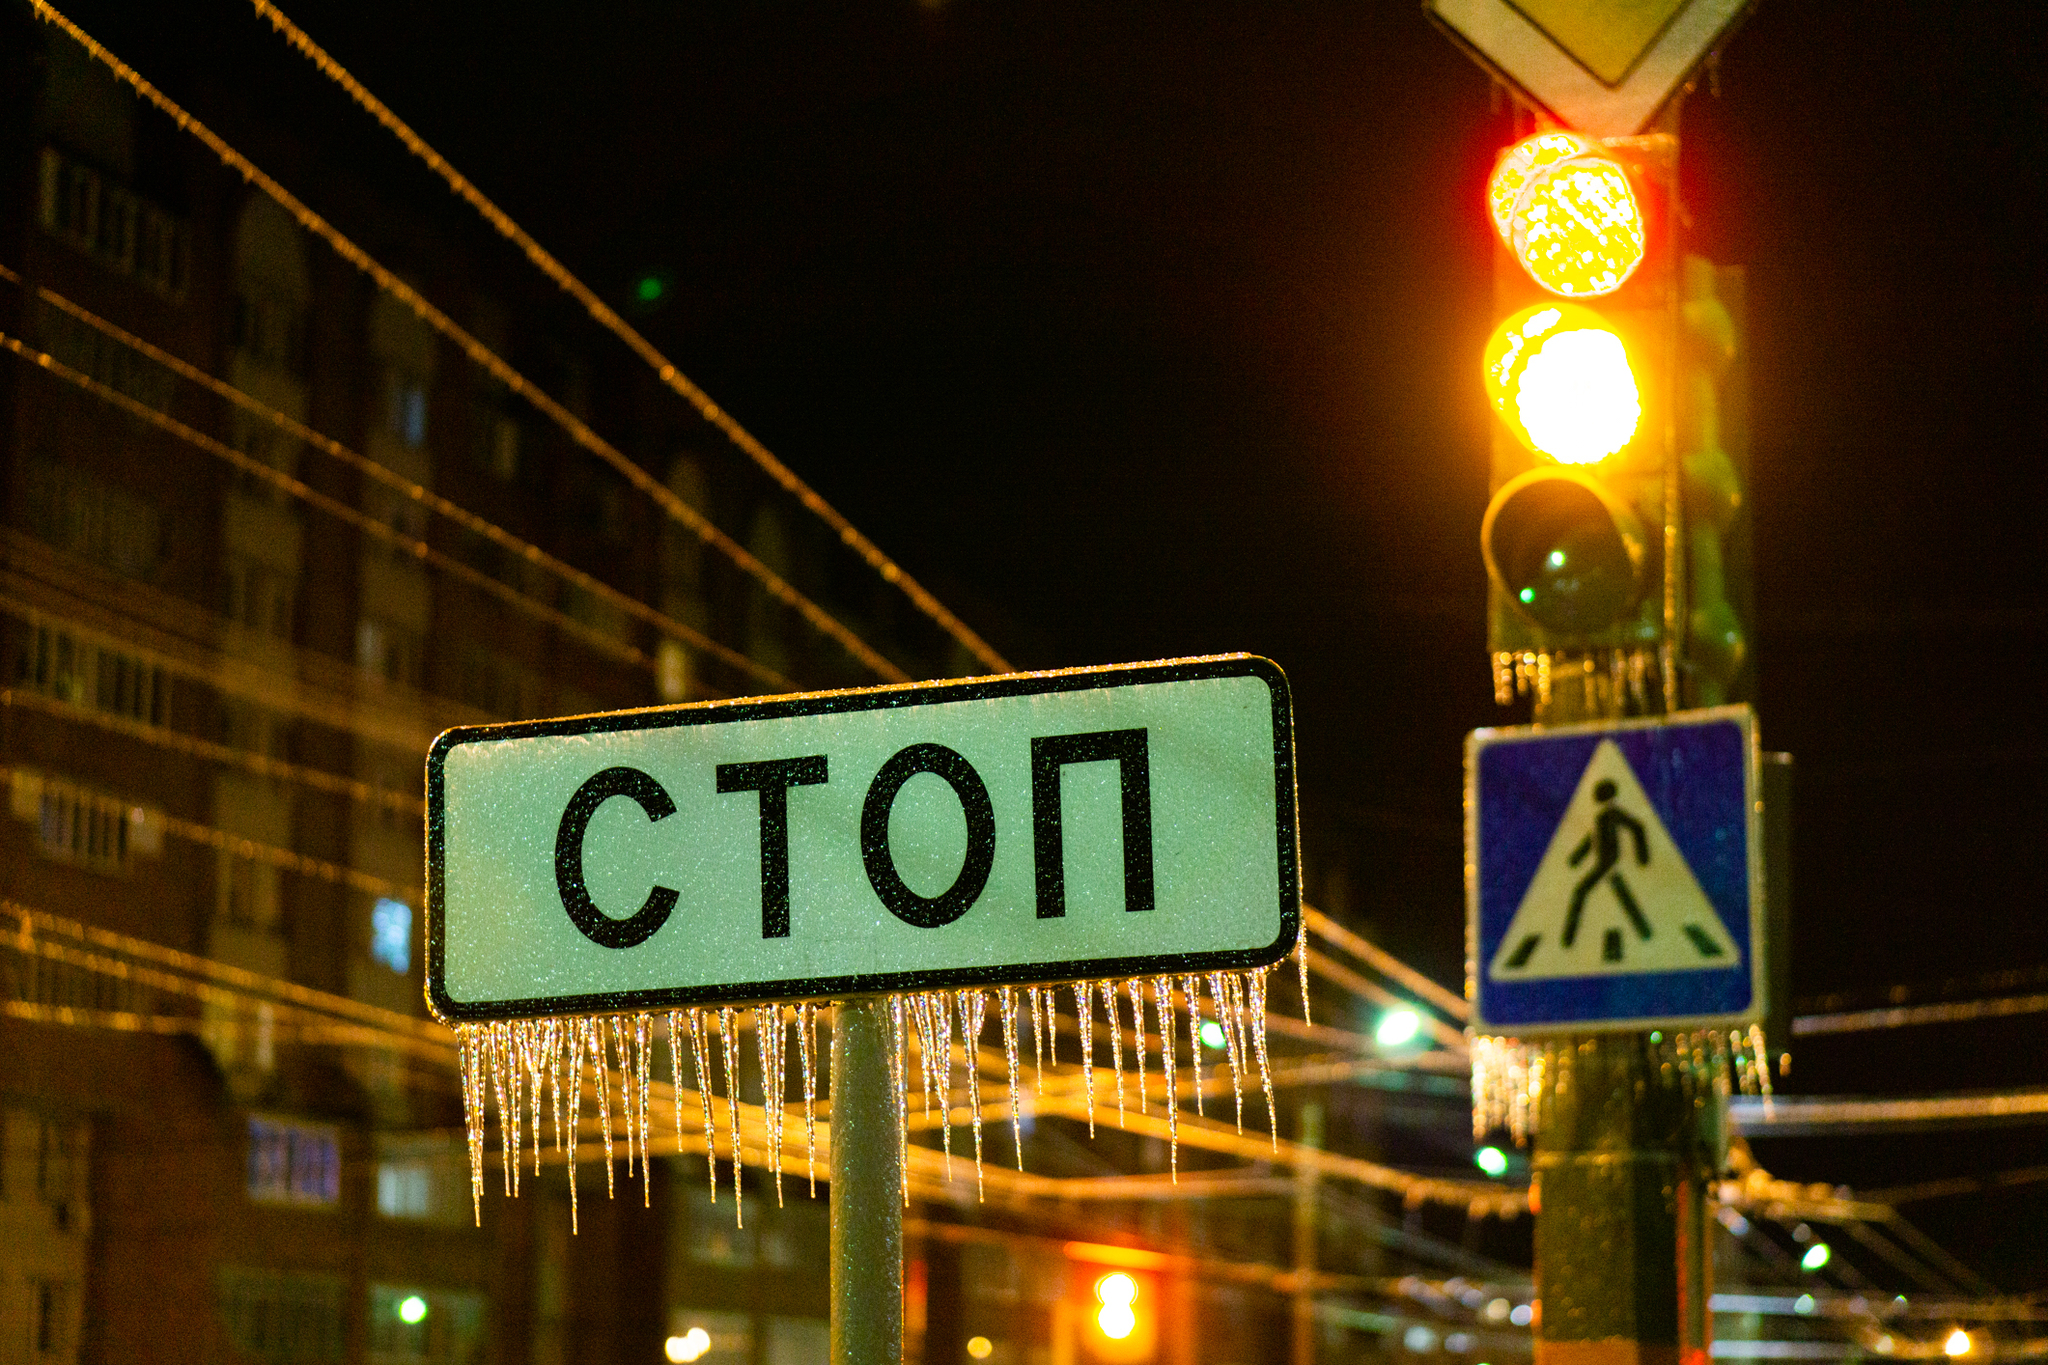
(461, 516)
(481, 355)
(608, 318)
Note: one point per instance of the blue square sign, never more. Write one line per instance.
(1614, 875)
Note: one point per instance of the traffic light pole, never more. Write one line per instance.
(1622, 1255)
(867, 1190)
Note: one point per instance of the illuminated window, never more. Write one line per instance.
(293, 1163)
(391, 934)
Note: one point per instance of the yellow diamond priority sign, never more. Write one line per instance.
(1602, 67)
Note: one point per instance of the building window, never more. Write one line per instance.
(405, 407)
(391, 934)
(53, 662)
(294, 1163)
(414, 1326)
(282, 1317)
(50, 1329)
(422, 1178)
(396, 654)
(259, 597)
(113, 224)
(83, 827)
(109, 526)
(271, 330)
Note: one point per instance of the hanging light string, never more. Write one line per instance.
(370, 526)
(481, 355)
(461, 516)
(608, 318)
(249, 761)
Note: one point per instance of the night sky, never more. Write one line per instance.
(1149, 329)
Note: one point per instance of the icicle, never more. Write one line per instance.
(972, 1007)
(466, 1043)
(1006, 1002)
(730, 1048)
(1137, 995)
(1255, 983)
(594, 1038)
(1037, 1036)
(532, 1060)
(643, 1039)
(572, 1046)
(1219, 993)
(1230, 1006)
(1162, 998)
(506, 1117)
(1116, 1045)
(1763, 1065)
(553, 1044)
(1084, 1017)
(768, 1048)
(899, 1082)
(1301, 969)
(920, 1020)
(942, 1060)
(626, 1085)
(806, 1028)
(701, 1064)
(1192, 988)
(675, 1071)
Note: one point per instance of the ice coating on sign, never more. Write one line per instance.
(506, 1064)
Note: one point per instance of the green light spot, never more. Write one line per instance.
(650, 288)
(1527, 595)
(1212, 1034)
(1557, 559)
(1816, 1256)
(1656, 1037)
(1491, 1160)
(1397, 1027)
(412, 1309)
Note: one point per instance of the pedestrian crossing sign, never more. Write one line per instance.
(1614, 875)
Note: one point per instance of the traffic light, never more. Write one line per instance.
(1611, 352)
(1122, 1327)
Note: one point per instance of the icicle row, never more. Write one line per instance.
(507, 1065)
(1509, 1076)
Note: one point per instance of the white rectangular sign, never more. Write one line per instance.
(1096, 822)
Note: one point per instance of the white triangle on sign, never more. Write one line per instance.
(1613, 894)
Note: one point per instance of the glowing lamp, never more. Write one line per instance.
(690, 1346)
(412, 1309)
(1116, 1292)
(1494, 1162)
(1397, 1027)
(1958, 1343)
(1568, 213)
(1560, 377)
(1817, 1255)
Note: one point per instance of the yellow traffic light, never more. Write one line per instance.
(1568, 213)
(1561, 379)
(1116, 1292)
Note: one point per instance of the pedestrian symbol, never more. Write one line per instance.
(1613, 894)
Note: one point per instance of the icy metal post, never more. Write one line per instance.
(867, 1191)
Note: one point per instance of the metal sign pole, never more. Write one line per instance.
(867, 1190)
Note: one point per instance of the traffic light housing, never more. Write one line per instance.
(1612, 351)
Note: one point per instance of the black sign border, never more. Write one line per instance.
(875, 699)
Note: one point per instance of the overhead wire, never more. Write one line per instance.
(571, 425)
(368, 525)
(608, 318)
(248, 760)
(446, 507)
(227, 841)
